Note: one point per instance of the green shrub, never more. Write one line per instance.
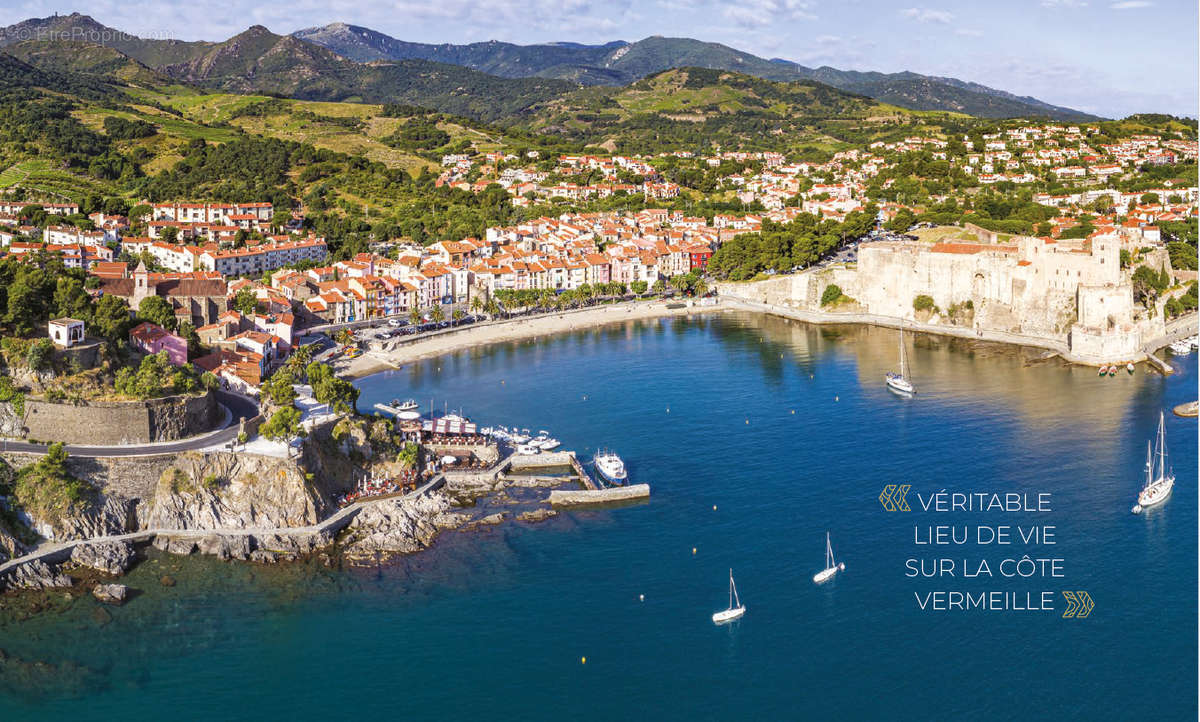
(832, 294)
(923, 303)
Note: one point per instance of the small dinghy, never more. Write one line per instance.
(736, 608)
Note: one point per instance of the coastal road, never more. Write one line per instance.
(238, 407)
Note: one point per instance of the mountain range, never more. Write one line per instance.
(488, 80)
(620, 63)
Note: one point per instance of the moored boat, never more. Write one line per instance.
(1103, 371)
(899, 382)
(736, 608)
(1159, 479)
(1129, 367)
(611, 467)
(528, 450)
(831, 566)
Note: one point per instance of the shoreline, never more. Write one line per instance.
(497, 332)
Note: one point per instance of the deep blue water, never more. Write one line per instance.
(786, 429)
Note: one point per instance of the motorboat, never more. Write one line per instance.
(1159, 479)
(517, 437)
(831, 566)
(408, 405)
(899, 381)
(1181, 348)
(736, 608)
(1129, 367)
(611, 467)
(1103, 371)
(545, 442)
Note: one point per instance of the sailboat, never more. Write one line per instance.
(831, 567)
(736, 608)
(1159, 480)
(899, 381)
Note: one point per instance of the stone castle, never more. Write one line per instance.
(1073, 292)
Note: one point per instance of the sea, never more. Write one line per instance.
(758, 436)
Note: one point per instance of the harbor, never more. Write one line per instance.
(453, 445)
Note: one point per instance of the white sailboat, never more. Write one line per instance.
(736, 608)
(1159, 480)
(899, 381)
(831, 567)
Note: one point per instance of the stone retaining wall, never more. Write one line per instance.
(105, 423)
(131, 477)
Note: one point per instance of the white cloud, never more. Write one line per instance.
(761, 13)
(968, 32)
(1064, 3)
(1131, 4)
(928, 15)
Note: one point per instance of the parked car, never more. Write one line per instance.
(394, 322)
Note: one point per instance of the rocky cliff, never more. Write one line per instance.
(218, 490)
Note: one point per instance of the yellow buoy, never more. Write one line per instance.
(583, 660)
(747, 421)
(693, 550)
(714, 507)
(835, 398)
(793, 411)
(641, 597)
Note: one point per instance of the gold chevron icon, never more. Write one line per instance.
(1079, 605)
(894, 497)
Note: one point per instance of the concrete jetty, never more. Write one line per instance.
(519, 463)
(564, 497)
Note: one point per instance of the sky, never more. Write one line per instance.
(1108, 57)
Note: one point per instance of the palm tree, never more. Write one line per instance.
(491, 308)
(414, 316)
(437, 314)
(700, 288)
(457, 315)
(476, 304)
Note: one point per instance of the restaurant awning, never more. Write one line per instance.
(442, 426)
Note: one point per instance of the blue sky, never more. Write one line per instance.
(1111, 57)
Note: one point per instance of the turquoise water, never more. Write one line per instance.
(789, 431)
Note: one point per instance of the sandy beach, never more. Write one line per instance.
(482, 334)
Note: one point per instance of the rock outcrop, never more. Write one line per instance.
(113, 557)
(10, 545)
(397, 526)
(35, 575)
(233, 491)
(111, 515)
(110, 593)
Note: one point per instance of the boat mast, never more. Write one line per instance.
(903, 355)
(1149, 465)
(1162, 446)
(731, 587)
(828, 552)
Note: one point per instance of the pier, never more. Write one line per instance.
(517, 463)
(613, 494)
